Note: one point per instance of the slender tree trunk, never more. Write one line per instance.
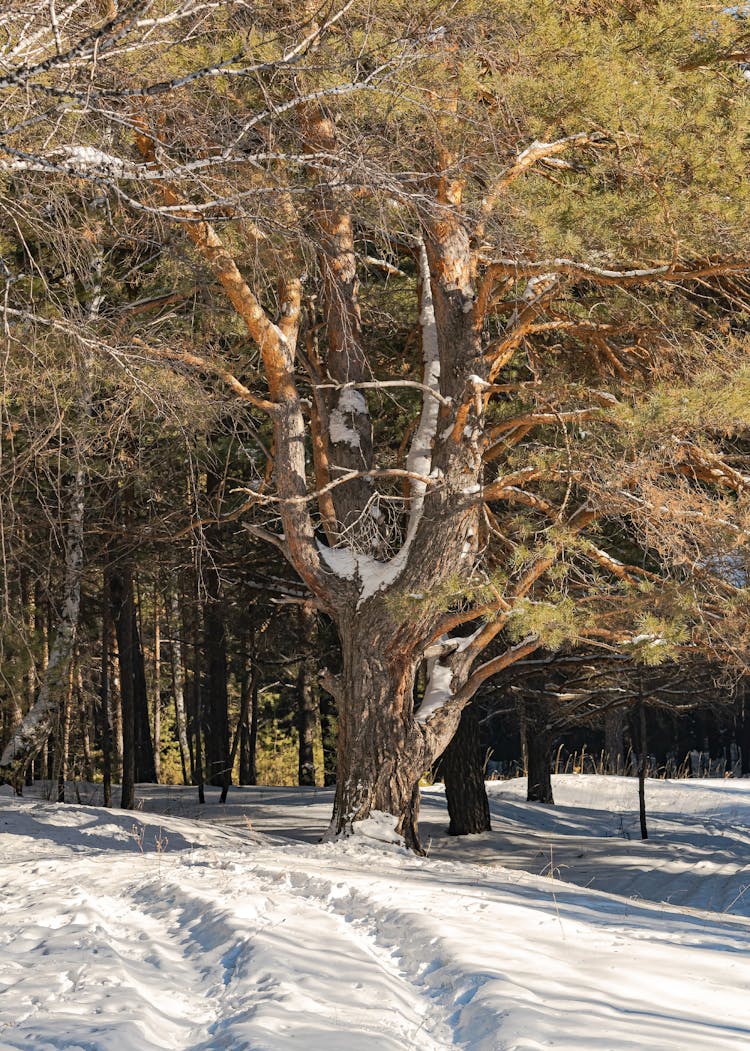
(84, 715)
(115, 698)
(120, 591)
(63, 738)
(328, 733)
(145, 769)
(105, 696)
(216, 698)
(199, 712)
(308, 714)
(249, 730)
(178, 686)
(157, 687)
(462, 767)
(643, 748)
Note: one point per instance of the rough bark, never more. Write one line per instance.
(462, 767)
(539, 742)
(614, 732)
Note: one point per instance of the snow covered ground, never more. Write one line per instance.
(178, 927)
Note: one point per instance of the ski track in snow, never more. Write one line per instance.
(141, 932)
(197, 977)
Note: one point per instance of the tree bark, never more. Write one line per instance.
(157, 687)
(643, 748)
(614, 730)
(381, 751)
(119, 585)
(538, 750)
(308, 714)
(249, 730)
(216, 700)
(105, 697)
(62, 744)
(462, 768)
(178, 686)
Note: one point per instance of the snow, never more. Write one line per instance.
(351, 403)
(437, 690)
(236, 930)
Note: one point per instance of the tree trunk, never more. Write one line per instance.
(145, 769)
(178, 686)
(308, 715)
(63, 738)
(614, 730)
(538, 750)
(121, 597)
(643, 748)
(157, 688)
(249, 732)
(105, 698)
(215, 700)
(216, 703)
(462, 767)
(381, 752)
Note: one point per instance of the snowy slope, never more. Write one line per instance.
(235, 930)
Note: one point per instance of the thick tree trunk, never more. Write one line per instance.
(381, 751)
(462, 767)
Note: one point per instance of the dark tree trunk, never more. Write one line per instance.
(157, 687)
(643, 748)
(249, 732)
(215, 699)
(121, 597)
(743, 727)
(308, 715)
(328, 733)
(539, 742)
(105, 695)
(462, 767)
(178, 686)
(216, 704)
(614, 733)
(145, 768)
